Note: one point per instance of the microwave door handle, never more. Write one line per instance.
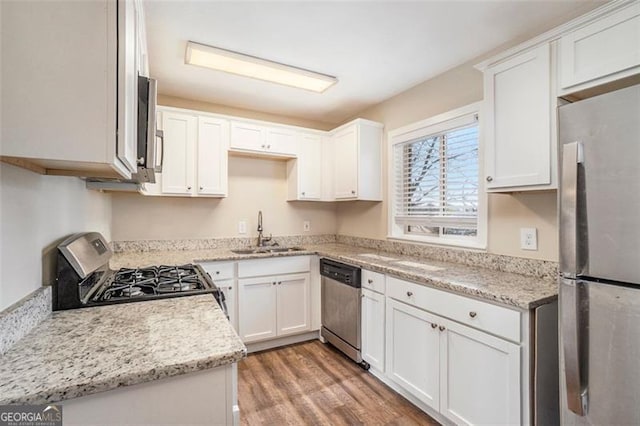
(571, 157)
(160, 134)
(574, 315)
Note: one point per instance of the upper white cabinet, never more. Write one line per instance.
(602, 51)
(253, 138)
(304, 174)
(69, 98)
(517, 122)
(194, 154)
(357, 161)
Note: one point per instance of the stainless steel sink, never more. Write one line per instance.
(264, 250)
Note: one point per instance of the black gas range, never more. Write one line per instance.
(84, 278)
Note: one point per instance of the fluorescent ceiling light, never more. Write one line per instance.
(261, 69)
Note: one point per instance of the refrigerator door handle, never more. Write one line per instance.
(571, 157)
(574, 317)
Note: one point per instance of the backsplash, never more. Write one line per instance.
(517, 265)
(216, 243)
(19, 319)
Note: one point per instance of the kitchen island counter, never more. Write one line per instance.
(84, 351)
(510, 289)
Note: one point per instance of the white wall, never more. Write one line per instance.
(36, 212)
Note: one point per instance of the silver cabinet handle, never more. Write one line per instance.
(442, 328)
(489, 179)
(370, 281)
(574, 311)
(570, 262)
(434, 325)
(409, 293)
(473, 314)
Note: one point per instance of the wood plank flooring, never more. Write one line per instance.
(313, 384)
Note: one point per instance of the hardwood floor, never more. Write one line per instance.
(313, 384)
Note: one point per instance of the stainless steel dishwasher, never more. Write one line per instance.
(341, 293)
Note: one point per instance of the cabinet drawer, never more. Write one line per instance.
(274, 266)
(494, 319)
(219, 270)
(373, 281)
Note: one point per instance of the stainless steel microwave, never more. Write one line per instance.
(148, 162)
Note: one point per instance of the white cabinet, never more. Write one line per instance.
(517, 122)
(413, 351)
(253, 138)
(195, 154)
(373, 309)
(304, 174)
(466, 375)
(480, 377)
(357, 161)
(257, 301)
(273, 306)
(70, 92)
(602, 51)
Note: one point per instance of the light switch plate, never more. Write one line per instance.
(306, 226)
(242, 227)
(528, 238)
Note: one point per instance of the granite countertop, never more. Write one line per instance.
(83, 351)
(515, 290)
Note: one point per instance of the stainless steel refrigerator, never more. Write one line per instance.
(600, 260)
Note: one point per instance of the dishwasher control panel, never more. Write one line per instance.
(341, 272)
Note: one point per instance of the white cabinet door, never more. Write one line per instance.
(605, 47)
(213, 139)
(246, 136)
(179, 144)
(413, 351)
(373, 328)
(127, 146)
(345, 163)
(480, 377)
(294, 304)
(310, 167)
(257, 308)
(280, 141)
(229, 290)
(518, 121)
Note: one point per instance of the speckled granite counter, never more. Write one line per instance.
(521, 291)
(84, 351)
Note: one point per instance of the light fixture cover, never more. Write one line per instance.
(261, 69)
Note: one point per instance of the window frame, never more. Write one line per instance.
(429, 126)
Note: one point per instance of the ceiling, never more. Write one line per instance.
(375, 49)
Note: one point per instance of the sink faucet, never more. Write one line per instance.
(261, 239)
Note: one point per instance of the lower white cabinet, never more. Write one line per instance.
(373, 328)
(479, 375)
(469, 376)
(413, 351)
(273, 306)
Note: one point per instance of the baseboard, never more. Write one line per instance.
(283, 341)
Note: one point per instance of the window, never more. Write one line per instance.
(435, 187)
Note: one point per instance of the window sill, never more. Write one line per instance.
(453, 243)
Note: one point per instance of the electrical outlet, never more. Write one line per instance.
(242, 227)
(306, 226)
(528, 238)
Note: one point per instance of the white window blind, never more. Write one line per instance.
(436, 179)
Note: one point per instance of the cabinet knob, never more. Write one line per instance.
(201, 188)
(353, 192)
(489, 179)
(264, 146)
(370, 281)
(188, 188)
(268, 146)
(472, 314)
(279, 282)
(303, 193)
(434, 325)
(409, 293)
(273, 283)
(217, 272)
(230, 288)
(442, 328)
